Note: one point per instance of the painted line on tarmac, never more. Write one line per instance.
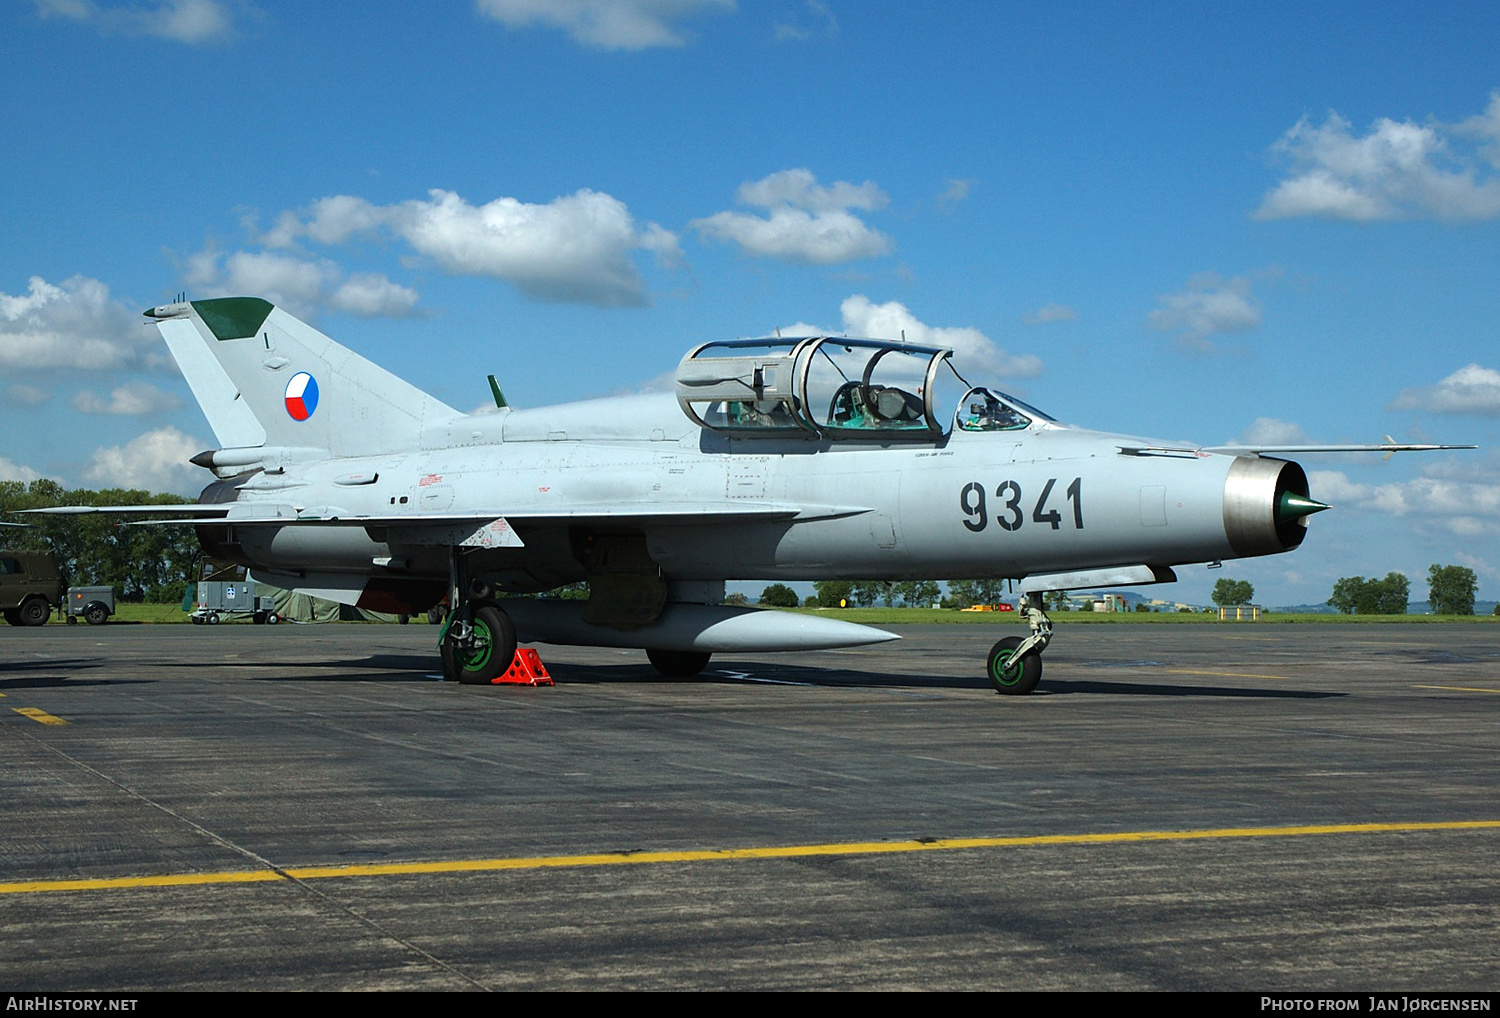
(1461, 689)
(1231, 675)
(712, 855)
(40, 716)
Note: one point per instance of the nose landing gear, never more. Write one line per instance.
(1015, 665)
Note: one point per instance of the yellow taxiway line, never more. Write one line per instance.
(1229, 675)
(39, 715)
(712, 855)
(1461, 689)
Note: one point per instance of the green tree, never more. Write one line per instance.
(831, 592)
(1227, 591)
(779, 595)
(918, 593)
(963, 593)
(1346, 594)
(138, 561)
(1355, 595)
(1451, 590)
(1392, 594)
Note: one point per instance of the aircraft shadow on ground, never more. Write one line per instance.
(1072, 686)
(755, 673)
(424, 668)
(53, 673)
(375, 668)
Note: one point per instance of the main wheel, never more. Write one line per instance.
(678, 664)
(1009, 675)
(96, 614)
(494, 647)
(35, 612)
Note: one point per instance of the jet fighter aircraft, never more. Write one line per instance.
(808, 458)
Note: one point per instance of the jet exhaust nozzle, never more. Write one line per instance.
(1266, 506)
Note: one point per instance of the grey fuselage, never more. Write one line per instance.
(1045, 499)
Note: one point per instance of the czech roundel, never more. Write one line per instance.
(301, 396)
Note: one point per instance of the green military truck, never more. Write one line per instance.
(29, 587)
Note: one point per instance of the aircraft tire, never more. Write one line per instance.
(490, 657)
(35, 612)
(1009, 676)
(678, 664)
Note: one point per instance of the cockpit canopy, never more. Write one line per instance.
(837, 388)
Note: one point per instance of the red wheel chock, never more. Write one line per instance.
(526, 669)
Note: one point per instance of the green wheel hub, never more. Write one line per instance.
(476, 657)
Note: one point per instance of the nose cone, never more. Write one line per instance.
(1291, 507)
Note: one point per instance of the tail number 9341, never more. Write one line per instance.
(1009, 514)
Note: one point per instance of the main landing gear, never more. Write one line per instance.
(1015, 665)
(479, 640)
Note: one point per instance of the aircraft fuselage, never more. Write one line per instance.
(1046, 499)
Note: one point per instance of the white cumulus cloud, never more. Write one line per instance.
(1049, 313)
(972, 349)
(804, 221)
(606, 24)
(1460, 506)
(1209, 304)
(25, 395)
(190, 21)
(818, 20)
(300, 285)
(1396, 170)
(1269, 431)
(10, 470)
(73, 324)
(156, 461)
(955, 192)
(575, 249)
(133, 399)
(1469, 390)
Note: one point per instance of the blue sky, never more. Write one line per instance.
(1266, 222)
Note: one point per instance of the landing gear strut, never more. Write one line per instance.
(1015, 665)
(479, 641)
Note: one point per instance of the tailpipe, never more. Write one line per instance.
(1266, 506)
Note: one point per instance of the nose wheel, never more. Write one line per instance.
(1010, 673)
(1015, 664)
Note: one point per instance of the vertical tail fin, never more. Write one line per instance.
(263, 378)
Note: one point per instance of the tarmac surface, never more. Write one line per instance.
(1176, 807)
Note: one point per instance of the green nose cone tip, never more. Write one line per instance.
(1292, 506)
